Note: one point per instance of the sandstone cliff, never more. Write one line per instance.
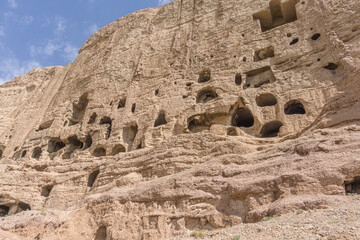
(196, 114)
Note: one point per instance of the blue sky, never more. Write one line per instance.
(41, 33)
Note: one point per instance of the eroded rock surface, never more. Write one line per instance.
(196, 114)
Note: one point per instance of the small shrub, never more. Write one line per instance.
(299, 211)
(44, 214)
(268, 218)
(351, 194)
(198, 233)
(237, 237)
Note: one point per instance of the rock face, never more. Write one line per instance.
(196, 114)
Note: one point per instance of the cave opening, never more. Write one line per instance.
(45, 191)
(352, 187)
(101, 233)
(331, 66)
(294, 107)
(73, 144)
(107, 120)
(4, 210)
(92, 178)
(316, 36)
(55, 144)
(129, 134)
(264, 54)
(23, 207)
(118, 149)
(242, 117)
(270, 129)
(92, 118)
(133, 107)
(277, 14)
(266, 99)
(88, 142)
(99, 152)
(37, 153)
(160, 119)
(79, 109)
(122, 103)
(206, 95)
(238, 79)
(294, 41)
(204, 75)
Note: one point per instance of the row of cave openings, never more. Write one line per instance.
(254, 79)
(73, 143)
(242, 117)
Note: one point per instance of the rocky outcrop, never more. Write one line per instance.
(197, 114)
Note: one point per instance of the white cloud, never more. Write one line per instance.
(2, 31)
(162, 2)
(12, 3)
(60, 25)
(70, 52)
(48, 50)
(12, 17)
(27, 20)
(91, 29)
(9, 15)
(11, 67)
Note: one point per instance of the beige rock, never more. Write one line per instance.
(196, 114)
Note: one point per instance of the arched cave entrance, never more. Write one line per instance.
(242, 117)
(294, 107)
(270, 129)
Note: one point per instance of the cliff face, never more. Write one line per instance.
(197, 114)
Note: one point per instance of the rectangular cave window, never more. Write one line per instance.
(259, 77)
(79, 109)
(264, 53)
(129, 135)
(278, 13)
